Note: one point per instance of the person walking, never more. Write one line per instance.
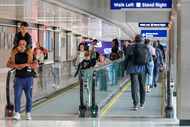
(137, 56)
(158, 63)
(150, 67)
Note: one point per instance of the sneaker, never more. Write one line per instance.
(135, 108)
(141, 106)
(148, 90)
(17, 116)
(28, 116)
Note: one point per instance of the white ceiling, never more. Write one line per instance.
(91, 18)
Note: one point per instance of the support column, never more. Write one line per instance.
(183, 62)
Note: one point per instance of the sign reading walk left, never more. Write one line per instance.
(135, 4)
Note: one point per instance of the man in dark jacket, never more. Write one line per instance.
(23, 34)
(136, 71)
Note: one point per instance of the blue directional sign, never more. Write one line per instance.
(154, 33)
(146, 24)
(119, 4)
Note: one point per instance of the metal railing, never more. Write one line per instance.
(96, 84)
(169, 110)
(9, 109)
(50, 79)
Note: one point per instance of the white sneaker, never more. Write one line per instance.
(17, 116)
(28, 116)
(141, 106)
(135, 108)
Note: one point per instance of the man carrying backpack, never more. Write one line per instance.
(137, 57)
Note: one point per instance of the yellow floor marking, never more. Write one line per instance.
(113, 100)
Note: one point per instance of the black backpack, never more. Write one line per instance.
(140, 54)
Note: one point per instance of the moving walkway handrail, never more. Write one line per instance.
(169, 111)
(104, 66)
(9, 81)
(9, 106)
(93, 107)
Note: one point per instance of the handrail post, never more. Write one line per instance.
(82, 107)
(169, 107)
(94, 107)
(9, 109)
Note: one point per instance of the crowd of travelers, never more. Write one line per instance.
(89, 57)
(144, 59)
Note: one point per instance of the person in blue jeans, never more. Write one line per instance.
(150, 67)
(158, 63)
(137, 71)
(21, 59)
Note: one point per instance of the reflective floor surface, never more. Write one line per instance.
(106, 122)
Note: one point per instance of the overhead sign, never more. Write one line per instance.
(121, 4)
(153, 24)
(154, 33)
